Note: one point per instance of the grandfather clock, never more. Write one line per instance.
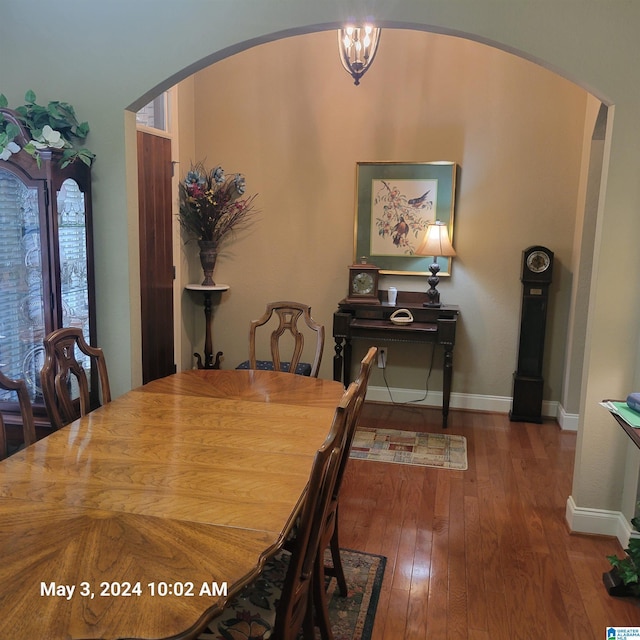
(537, 268)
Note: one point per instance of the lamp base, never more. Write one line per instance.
(433, 294)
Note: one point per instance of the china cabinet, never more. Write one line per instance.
(46, 262)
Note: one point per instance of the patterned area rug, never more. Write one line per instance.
(351, 618)
(408, 447)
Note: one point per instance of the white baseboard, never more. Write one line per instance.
(476, 402)
(567, 421)
(434, 399)
(471, 401)
(598, 521)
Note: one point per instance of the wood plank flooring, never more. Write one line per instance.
(484, 553)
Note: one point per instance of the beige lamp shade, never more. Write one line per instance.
(436, 242)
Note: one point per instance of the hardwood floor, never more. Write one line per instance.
(483, 553)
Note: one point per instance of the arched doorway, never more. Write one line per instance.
(449, 98)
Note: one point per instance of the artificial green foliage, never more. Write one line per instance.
(10, 131)
(54, 126)
(629, 567)
(58, 115)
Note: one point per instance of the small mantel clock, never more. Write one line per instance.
(537, 269)
(363, 283)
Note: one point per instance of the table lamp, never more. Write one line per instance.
(436, 243)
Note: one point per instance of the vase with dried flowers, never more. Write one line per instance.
(211, 207)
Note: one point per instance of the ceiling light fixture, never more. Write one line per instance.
(358, 46)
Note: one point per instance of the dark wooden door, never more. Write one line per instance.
(156, 255)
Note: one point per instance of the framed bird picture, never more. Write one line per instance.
(396, 201)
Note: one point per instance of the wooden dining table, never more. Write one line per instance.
(142, 518)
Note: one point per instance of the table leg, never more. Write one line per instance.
(347, 363)
(337, 360)
(447, 374)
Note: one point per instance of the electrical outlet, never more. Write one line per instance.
(382, 357)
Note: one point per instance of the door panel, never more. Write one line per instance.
(156, 255)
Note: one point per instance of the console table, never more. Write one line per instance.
(207, 290)
(371, 322)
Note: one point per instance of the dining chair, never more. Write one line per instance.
(286, 336)
(65, 386)
(330, 537)
(26, 413)
(3, 440)
(279, 603)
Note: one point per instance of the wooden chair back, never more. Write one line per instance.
(26, 412)
(294, 608)
(65, 386)
(362, 381)
(330, 537)
(3, 440)
(288, 314)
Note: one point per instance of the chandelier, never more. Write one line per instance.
(358, 46)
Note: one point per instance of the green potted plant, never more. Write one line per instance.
(624, 577)
(211, 207)
(52, 127)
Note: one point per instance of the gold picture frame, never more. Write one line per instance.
(395, 201)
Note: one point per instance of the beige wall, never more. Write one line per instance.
(297, 132)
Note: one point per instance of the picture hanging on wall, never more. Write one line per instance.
(396, 201)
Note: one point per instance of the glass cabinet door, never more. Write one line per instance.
(72, 243)
(72, 247)
(22, 321)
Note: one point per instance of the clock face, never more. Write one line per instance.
(538, 261)
(362, 283)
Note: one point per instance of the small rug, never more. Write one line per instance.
(351, 617)
(408, 447)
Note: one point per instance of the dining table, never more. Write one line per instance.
(142, 518)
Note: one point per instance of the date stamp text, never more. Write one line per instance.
(106, 589)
